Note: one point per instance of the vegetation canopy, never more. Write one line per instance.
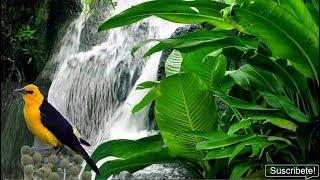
(271, 98)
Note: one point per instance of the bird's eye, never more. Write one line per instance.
(29, 92)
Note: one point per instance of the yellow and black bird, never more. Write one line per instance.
(47, 123)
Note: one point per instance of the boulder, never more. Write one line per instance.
(162, 171)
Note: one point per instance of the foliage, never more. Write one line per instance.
(25, 34)
(272, 99)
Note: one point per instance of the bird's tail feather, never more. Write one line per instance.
(84, 142)
(79, 149)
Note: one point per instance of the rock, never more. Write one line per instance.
(159, 172)
(122, 85)
(90, 36)
(123, 175)
(14, 131)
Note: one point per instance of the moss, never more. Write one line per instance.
(53, 159)
(86, 175)
(28, 169)
(54, 176)
(37, 165)
(26, 159)
(49, 165)
(40, 173)
(25, 150)
(74, 170)
(77, 159)
(64, 163)
(37, 157)
(47, 171)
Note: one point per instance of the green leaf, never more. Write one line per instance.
(250, 77)
(299, 10)
(173, 63)
(277, 121)
(214, 135)
(286, 74)
(178, 11)
(313, 7)
(140, 44)
(276, 138)
(239, 170)
(220, 153)
(134, 163)
(184, 104)
(124, 148)
(283, 102)
(215, 39)
(211, 69)
(147, 84)
(145, 100)
(257, 143)
(235, 102)
(282, 123)
(213, 144)
(245, 123)
(283, 34)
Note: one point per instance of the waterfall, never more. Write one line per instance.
(95, 90)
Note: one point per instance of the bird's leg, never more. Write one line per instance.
(59, 150)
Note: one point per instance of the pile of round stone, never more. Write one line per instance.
(46, 164)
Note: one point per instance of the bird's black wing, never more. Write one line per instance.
(63, 130)
(58, 125)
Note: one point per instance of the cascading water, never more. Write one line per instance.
(95, 89)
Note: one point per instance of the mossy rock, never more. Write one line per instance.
(26, 159)
(28, 169)
(25, 150)
(54, 176)
(86, 175)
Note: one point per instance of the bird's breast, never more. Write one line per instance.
(32, 116)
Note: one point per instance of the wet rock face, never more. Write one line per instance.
(14, 131)
(90, 36)
(122, 84)
(160, 171)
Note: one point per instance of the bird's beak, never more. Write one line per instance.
(20, 91)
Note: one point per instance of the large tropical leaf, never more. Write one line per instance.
(313, 7)
(289, 76)
(277, 121)
(179, 11)
(147, 84)
(286, 104)
(134, 163)
(184, 104)
(219, 143)
(173, 63)
(145, 100)
(250, 77)
(239, 170)
(215, 39)
(235, 102)
(299, 10)
(211, 69)
(124, 148)
(281, 32)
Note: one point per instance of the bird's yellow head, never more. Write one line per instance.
(31, 94)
